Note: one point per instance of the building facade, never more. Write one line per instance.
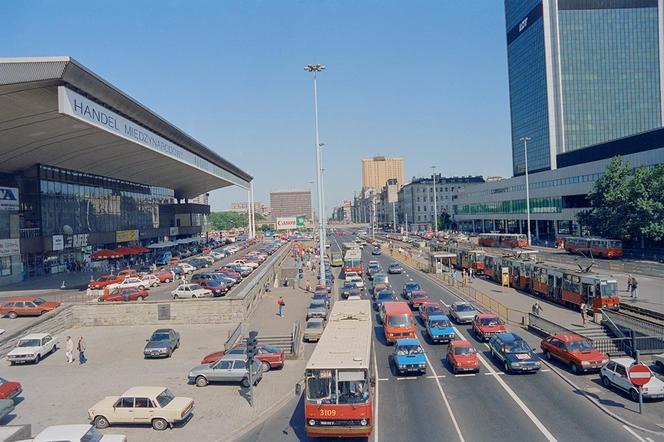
(241, 207)
(284, 203)
(581, 73)
(377, 170)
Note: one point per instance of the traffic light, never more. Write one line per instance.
(251, 345)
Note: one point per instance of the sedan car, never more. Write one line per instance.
(615, 374)
(573, 350)
(395, 269)
(164, 275)
(376, 251)
(124, 295)
(439, 329)
(32, 348)
(151, 405)
(514, 353)
(162, 343)
(313, 330)
(131, 281)
(317, 309)
(230, 368)
(408, 356)
(26, 306)
(191, 291)
(268, 355)
(9, 390)
(428, 309)
(417, 298)
(76, 433)
(462, 356)
(103, 281)
(384, 296)
(409, 288)
(487, 325)
(217, 287)
(462, 312)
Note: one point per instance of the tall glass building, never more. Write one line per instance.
(581, 73)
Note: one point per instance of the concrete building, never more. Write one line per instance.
(241, 207)
(286, 203)
(377, 170)
(83, 167)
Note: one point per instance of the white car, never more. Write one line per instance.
(76, 433)
(357, 279)
(191, 291)
(242, 262)
(658, 360)
(354, 298)
(614, 373)
(32, 348)
(131, 282)
(187, 268)
(216, 255)
(151, 280)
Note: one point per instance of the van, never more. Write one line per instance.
(398, 321)
(163, 258)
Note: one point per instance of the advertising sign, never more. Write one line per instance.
(392, 193)
(126, 235)
(76, 241)
(172, 231)
(8, 198)
(290, 223)
(58, 242)
(10, 247)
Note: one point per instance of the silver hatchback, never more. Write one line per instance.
(230, 368)
(462, 312)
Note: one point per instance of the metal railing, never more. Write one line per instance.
(639, 326)
(544, 326)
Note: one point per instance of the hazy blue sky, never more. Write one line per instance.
(424, 80)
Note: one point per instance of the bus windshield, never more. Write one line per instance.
(320, 385)
(609, 289)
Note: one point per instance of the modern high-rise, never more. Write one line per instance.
(286, 203)
(377, 170)
(581, 73)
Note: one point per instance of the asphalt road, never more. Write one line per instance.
(488, 406)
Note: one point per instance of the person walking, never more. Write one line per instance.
(281, 305)
(69, 350)
(537, 309)
(629, 285)
(454, 277)
(583, 313)
(307, 286)
(635, 288)
(470, 273)
(81, 351)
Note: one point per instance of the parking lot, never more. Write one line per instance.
(55, 392)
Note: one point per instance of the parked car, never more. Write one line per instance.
(462, 356)
(615, 374)
(162, 343)
(409, 288)
(132, 281)
(395, 269)
(124, 295)
(151, 280)
(439, 328)
(573, 350)
(155, 405)
(514, 353)
(314, 329)
(215, 286)
(268, 355)
(32, 348)
(103, 281)
(6, 407)
(126, 273)
(191, 291)
(209, 258)
(76, 433)
(317, 309)
(186, 267)
(462, 312)
(26, 306)
(165, 275)
(658, 360)
(9, 390)
(487, 325)
(245, 262)
(407, 356)
(230, 368)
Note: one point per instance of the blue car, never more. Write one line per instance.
(376, 251)
(439, 328)
(514, 353)
(408, 357)
(384, 296)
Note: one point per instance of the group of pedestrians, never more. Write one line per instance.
(80, 347)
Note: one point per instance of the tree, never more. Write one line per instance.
(227, 220)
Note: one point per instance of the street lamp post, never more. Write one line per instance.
(313, 219)
(321, 234)
(435, 203)
(525, 151)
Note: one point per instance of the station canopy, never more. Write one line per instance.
(54, 111)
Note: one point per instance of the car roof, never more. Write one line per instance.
(143, 391)
(163, 330)
(20, 298)
(568, 337)
(486, 315)
(460, 343)
(431, 304)
(461, 303)
(508, 337)
(34, 336)
(626, 361)
(235, 356)
(408, 341)
(438, 318)
(62, 432)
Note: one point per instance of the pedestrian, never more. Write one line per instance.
(81, 351)
(470, 273)
(183, 278)
(583, 313)
(454, 277)
(635, 287)
(629, 285)
(281, 305)
(465, 277)
(537, 309)
(69, 350)
(307, 286)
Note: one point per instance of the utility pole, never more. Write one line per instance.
(373, 217)
(321, 234)
(394, 216)
(525, 151)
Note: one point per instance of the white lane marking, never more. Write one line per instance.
(630, 431)
(547, 434)
(447, 404)
(495, 373)
(383, 379)
(436, 377)
(465, 375)
(407, 378)
(649, 439)
(375, 410)
(545, 370)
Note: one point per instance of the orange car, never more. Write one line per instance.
(103, 281)
(487, 325)
(462, 356)
(575, 351)
(127, 273)
(26, 306)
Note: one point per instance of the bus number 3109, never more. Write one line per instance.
(327, 413)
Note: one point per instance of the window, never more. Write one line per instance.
(620, 370)
(6, 266)
(143, 402)
(239, 365)
(126, 402)
(223, 365)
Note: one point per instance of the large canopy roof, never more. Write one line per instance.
(39, 98)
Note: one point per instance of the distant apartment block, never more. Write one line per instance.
(290, 203)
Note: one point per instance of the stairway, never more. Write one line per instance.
(593, 331)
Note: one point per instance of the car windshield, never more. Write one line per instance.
(93, 435)
(165, 398)
(3, 381)
(29, 343)
(385, 295)
(409, 350)
(440, 323)
(213, 283)
(38, 301)
(464, 351)
(581, 345)
(491, 321)
(316, 304)
(399, 321)
(160, 337)
(413, 287)
(394, 266)
(314, 324)
(464, 308)
(518, 346)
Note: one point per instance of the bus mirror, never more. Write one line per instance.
(298, 389)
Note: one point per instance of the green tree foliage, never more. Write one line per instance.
(230, 220)
(626, 205)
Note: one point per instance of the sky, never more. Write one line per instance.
(422, 80)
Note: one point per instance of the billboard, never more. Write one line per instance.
(290, 222)
(8, 198)
(392, 193)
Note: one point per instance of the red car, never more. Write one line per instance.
(417, 298)
(124, 295)
(9, 390)
(126, 273)
(462, 356)
(487, 325)
(428, 308)
(164, 275)
(269, 355)
(103, 281)
(217, 288)
(26, 306)
(575, 351)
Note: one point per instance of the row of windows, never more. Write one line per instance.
(540, 184)
(537, 205)
(438, 198)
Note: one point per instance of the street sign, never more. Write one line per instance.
(639, 374)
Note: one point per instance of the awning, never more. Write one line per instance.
(161, 245)
(188, 240)
(106, 254)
